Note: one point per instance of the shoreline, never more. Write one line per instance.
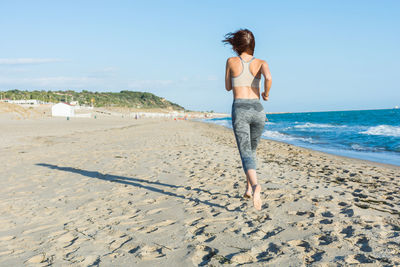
(359, 155)
(378, 164)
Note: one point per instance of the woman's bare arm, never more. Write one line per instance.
(228, 83)
(268, 80)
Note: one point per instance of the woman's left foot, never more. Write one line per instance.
(248, 193)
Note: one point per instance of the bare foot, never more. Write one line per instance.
(257, 197)
(248, 193)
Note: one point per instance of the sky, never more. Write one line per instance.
(323, 55)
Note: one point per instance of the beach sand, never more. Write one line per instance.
(154, 192)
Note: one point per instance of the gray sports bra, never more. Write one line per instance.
(246, 78)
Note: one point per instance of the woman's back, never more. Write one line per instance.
(245, 75)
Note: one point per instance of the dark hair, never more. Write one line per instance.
(241, 41)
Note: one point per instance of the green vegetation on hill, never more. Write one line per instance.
(100, 99)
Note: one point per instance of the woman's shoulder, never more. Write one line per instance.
(259, 60)
(232, 59)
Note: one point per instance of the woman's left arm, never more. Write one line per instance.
(228, 84)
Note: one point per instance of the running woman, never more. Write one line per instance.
(243, 77)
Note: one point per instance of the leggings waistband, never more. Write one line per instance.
(246, 100)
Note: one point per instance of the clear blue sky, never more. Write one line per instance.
(323, 55)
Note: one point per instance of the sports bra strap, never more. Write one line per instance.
(247, 61)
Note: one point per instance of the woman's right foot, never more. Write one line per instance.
(257, 197)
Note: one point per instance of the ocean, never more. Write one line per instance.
(364, 134)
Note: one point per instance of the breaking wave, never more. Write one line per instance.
(384, 130)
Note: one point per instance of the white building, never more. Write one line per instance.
(24, 102)
(62, 110)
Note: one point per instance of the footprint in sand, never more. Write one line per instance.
(326, 221)
(348, 231)
(325, 239)
(118, 243)
(67, 240)
(300, 245)
(268, 252)
(327, 214)
(271, 232)
(363, 243)
(40, 258)
(302, 213)
(242, 258)
(357, 259)
(146, 252)
(91, 260)
(201, 255)
(156, 227)
(314, 256)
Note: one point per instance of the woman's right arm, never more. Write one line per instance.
(228, 83)
(268, 80)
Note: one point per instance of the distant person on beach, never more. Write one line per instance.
(243, 76)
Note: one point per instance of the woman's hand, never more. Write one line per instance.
(268, 80)
(265, 97)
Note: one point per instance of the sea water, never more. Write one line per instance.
(365, 134)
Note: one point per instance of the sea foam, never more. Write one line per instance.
(314, 125)
(275, 135)
(384, 130)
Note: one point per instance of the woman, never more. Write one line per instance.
(243, 76)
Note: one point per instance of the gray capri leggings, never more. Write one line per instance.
(248, 119)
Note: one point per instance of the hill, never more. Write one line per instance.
(129, 99)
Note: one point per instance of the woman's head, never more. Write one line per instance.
(241, 41)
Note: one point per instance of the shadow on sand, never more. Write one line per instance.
(141, 183)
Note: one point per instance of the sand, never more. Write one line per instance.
(154, 192)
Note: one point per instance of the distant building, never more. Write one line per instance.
(24, 101)
(62, 110)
